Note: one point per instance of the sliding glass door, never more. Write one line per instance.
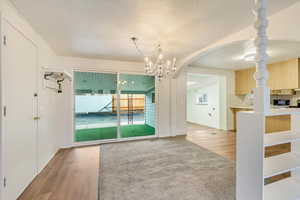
(137, 105)
(96, 116)
(113, 106)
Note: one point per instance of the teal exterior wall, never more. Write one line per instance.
(105, 83)
(90, 82)
(136, 84)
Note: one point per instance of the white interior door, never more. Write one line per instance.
(20, 128)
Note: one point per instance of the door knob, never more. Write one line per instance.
(36, 118)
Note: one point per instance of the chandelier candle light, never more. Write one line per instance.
(156, 64)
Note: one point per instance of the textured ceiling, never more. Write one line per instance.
(231, 56)
(102, 28)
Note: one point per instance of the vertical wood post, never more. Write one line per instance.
(261, 92)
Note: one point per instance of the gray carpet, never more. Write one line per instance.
(164, 169)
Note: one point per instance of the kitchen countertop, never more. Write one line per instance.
(274, 111)
(284, 111)
(280, 111)
(251, 107)
(242, 107)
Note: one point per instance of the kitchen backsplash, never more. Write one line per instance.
(293, 98)
(240, 101)
(246, 101)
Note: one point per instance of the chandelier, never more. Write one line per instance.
(157, 65)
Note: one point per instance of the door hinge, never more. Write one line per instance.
(4, 182)
(4, 40)
(4, 111)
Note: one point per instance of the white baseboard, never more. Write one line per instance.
(47, 162)
(39, 170)
(192, 122)
(66, 146)
(181, 132)
(164, 136)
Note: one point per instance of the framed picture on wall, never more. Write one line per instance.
(202, 99)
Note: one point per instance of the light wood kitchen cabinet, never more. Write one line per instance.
(278, 123)
(282, 75)
(244, 81)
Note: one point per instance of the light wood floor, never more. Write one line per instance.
(73, 173)
(218, 141)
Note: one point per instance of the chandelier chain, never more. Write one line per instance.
(134, 39)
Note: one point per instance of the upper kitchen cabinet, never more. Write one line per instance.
(282, 75)
(244, 81)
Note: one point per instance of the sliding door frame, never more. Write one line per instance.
(118, 139)
(118, 107)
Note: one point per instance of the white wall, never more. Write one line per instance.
(225, 121)
(178, 104)
(207, 114)
(85, 64)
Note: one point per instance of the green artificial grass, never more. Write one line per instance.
(111, 132)
(95, 134)
(136, 130)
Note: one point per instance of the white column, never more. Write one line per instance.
(261, 92)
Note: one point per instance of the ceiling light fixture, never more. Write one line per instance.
(189, 83)
(250, 57)
(250, 52)
(156, 64)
